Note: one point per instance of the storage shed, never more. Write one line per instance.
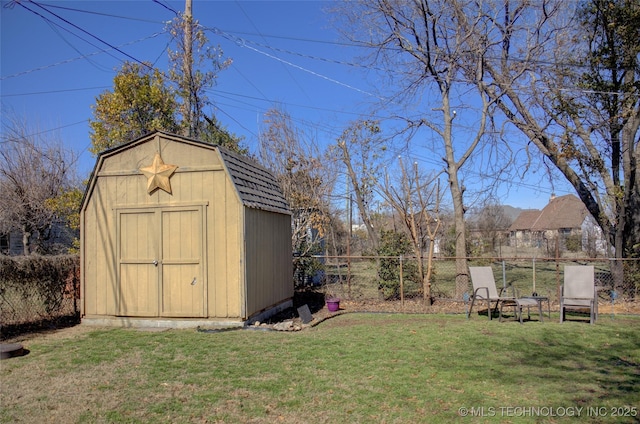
(180, 233)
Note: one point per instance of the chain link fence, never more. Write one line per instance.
(44, 292)
(38, 292)
(393, 280)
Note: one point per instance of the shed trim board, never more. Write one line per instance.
(172, 246)
(163, 205)
(181, 169)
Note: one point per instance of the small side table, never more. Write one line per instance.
(518, 306)
(540, 300)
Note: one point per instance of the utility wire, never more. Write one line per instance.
(243, 43)
(166, 6)
(109, 15)
(53, 26)
(55, 91)
(81, 29)
(84, 56)
(285, 68)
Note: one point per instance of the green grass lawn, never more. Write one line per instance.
(355, 368)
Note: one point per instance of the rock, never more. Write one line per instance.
(283, 326)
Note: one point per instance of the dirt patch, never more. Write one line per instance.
(316, 303)
(315, 300)
(66, 332)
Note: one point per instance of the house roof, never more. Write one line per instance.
(562, 212)
(525, 220)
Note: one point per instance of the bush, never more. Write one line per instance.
(37, 288)
(573, 243)
(392, 246)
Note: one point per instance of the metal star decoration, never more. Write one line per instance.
(158, 175)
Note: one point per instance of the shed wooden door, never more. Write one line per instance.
(182, 285)
(138, 247)
(161, 262)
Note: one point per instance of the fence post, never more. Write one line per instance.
(401, 284)
(534, 277)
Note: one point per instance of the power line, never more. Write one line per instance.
(322, 109)
(84, 121)
(166, 6)
(243, 43)
(293, 53)
(284, 37)
(68, 90)
(285, 68)
(84, 56)
(109, 15)
(80, 29)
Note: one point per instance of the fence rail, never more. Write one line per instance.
(393, 278)
(365, 279)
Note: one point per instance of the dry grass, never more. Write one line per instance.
(351, 368)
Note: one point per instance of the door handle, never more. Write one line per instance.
(193, 283)
(155, 262)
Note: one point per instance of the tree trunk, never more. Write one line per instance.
(26, 246)
(462, 275)
(427, 279)
(457, 191)
(360, 198)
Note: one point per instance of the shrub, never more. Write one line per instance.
(392, 246)
(34, 288)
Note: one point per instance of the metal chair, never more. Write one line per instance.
(579, 291)
(484, 289)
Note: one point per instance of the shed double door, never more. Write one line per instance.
(161, 262)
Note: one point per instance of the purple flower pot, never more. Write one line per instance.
(333, 304)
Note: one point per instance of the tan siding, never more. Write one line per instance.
(226, 230)
(218, 271)
(100, 245)
(199, 180)
(88, 259)
(235, 269)
(127, 161)
(107, 270)
(269, 267)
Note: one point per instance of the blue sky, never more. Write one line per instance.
(285, 53)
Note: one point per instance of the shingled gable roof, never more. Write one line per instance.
(256, 186)
(561, 212)
(525, 220)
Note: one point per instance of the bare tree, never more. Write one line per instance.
(422, 50)
(304, 176)
(360, 149)
(567, 75)
(416, 199)
(34, 170)
(492, 223)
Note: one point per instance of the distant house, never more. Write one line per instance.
(55, 239)
(563, 217)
